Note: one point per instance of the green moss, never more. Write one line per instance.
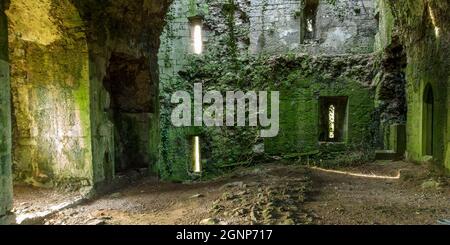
(386, 25)
(300, 80)
(51, 96)
(5, 120)
(421, 25)
(300, 112)
(193, 11)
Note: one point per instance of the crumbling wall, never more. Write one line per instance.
(386, 24)
(252, 45)
(60, 54)
(390, 100)
(5, 118)
(424, 31)
(267, 27)
(130, 29)
(343, 27)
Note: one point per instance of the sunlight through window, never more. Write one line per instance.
(310, 26)
(197, 163)
(198, 40)
(331, 121)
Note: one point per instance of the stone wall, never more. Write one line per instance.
(63, 128)
(267, 27)
(133, 34)
(424, 29)
(421, 28)
(254, 45)
(5, 119)
(276, 26)
(302, 86)
(386, 25)
(50, 94)
(390, 100)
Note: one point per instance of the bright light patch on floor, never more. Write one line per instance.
(197, 163)
(370, 176)
(198, 40)
(25, 216)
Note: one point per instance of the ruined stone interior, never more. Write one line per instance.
(85, 111)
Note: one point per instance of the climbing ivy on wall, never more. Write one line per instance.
(226, 65)
(234, 146)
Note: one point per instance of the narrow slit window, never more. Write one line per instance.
(198, 40)
(196, 27)
(197, 166)
(331, 121)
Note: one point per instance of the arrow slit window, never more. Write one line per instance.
(197, 39)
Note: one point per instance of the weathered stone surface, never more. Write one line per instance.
(63, 132)
(235, 34)
(5, 122)
(276, 26)
(423, 29)
(50, 94)
(133, 34)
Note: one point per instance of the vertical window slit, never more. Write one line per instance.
(196, 30)
(197, 158)
(331, 121)
(198, 40)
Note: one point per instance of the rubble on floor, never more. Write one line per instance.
(272, 200)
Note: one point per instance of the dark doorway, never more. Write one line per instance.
(333, 118)
(428, 121)
(129, 83)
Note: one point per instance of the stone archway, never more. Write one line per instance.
(59, 54)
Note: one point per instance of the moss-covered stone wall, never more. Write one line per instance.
(5, 118)
(301, 86)
(134, 34)
(386, 24)
(63, 128)
(424, 29)
(256, 45)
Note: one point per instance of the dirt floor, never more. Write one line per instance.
(29, 200)
(419, 196)
(279, 194)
